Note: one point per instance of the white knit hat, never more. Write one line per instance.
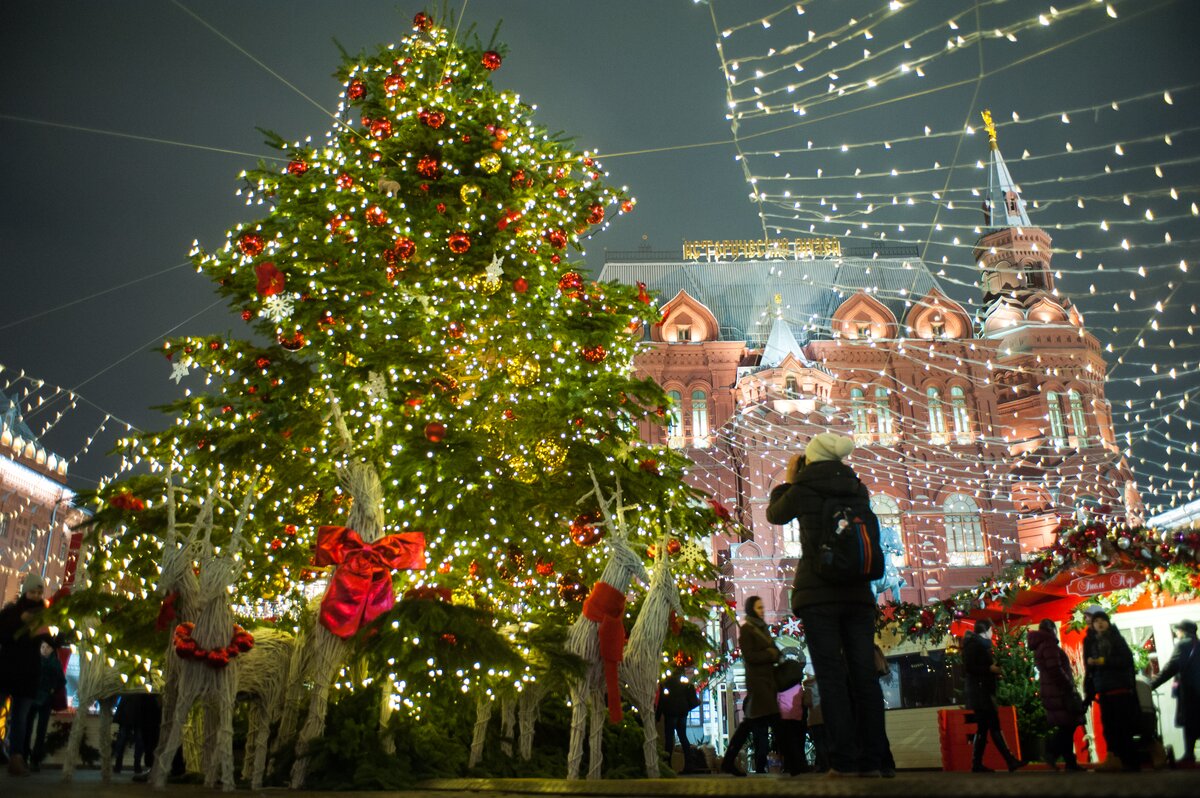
(828, 446)
(32, 581)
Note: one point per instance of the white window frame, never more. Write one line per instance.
(965, 546)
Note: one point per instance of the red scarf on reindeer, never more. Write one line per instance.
(605, 606)
(361, 588)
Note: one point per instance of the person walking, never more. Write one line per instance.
(20, 663)
(815, 721)
(838, 616)
(1184, 668)
(51, 681)
(676, 698)
(1056, 690)
(793, 727)
(759, 655)
(1109, 679)
(982, 675)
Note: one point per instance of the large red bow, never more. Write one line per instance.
(361, 588)
(605, 605)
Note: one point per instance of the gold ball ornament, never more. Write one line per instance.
(523, 471)
(490, 163)
(523, 370)
(551, 454)
(485, 286)
(469, 193)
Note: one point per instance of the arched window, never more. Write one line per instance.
(791, 538)
(964, 531)
(859, 420)
(937, 419)
(791, 389)
(887, 510)
(1058, 435)
(962, 421)
(1078, 419)
(884, 417)
(700, 419)
(674, 421)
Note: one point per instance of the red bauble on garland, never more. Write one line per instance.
(595, 214)
(422, 21)
(434, 119)
(557, 239)
(593, 354)
(297, 167)
(393, 85)
(459, 242)
(251, 244)
(584, 531)
(292, 343)
(490, 60)
(186, 647)
(401, 250)
(429, 167)
(520, 285)
(356, 90)
(381, 128)
(127, 501)
(571, 588)
(435, 431)
(376, 216)
(570, 283)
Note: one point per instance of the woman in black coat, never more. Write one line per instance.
(1184, 667)
(21, 663)
(1109, 679)
(1056, 689)
(759, 656)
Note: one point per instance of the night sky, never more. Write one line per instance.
(185, 85)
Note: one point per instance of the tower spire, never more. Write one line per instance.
(1003, 206)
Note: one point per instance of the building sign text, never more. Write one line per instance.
(785, 248)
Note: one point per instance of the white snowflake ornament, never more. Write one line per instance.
(178, 371)
(692, 555)
(278, 307)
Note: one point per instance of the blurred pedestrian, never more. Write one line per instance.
(676, 698)
(1056, 690)
(52, 681)
(1184, 668)
(1109, 680)
(815, 721)
(982, 675)
(21, 638)
(793, 727)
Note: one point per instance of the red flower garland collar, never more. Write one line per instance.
(186, 648)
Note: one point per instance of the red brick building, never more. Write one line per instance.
(975, 433)
(36, 509)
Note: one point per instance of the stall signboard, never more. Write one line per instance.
(1094, 584)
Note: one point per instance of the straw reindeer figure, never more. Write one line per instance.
(99, 680)
(203, 679)
(640, 669)
(180, 588)
(320, 652)
(598, 635)
(261, 683)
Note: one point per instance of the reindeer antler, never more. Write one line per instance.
(235, 540)
(339, 423)
(205, 518)
(171, 535)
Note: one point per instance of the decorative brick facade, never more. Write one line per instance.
(975, 435)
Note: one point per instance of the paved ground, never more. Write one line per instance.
(912, 784)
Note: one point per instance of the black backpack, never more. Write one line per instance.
(848, 546)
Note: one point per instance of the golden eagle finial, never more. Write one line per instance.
(990, 126)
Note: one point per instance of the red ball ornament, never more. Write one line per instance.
(649, 465)
(595, 214)
(673, 546)
(356, 90)
(593, 354)
(297, 167)
(381, 128)
(570, 587)
(262, 362)
(345, 181)
(520, 285)
(394, 84)
(441, 207)
(570, 282)
(247, 315)
(627, 206)
(434, 119)
(292, 343)
(557, 239)
(376, 216)
(251, 244)
(490, 60)
(422, 21)
(584, 531)
(543, 567)
(429, 167)
(459, 242)
(435, 431)
(402, 250)
(454, 329)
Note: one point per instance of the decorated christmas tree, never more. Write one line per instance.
(427, 402)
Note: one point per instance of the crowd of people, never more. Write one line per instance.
(840, 709)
